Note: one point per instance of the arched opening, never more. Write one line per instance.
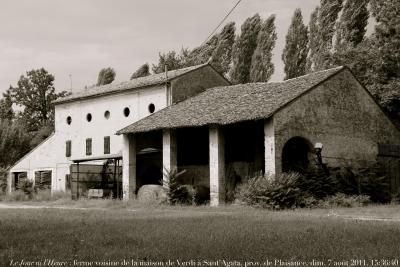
(296, 155)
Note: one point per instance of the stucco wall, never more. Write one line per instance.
(51, 155)
(80, 129)
(195, 82)
(341, 115)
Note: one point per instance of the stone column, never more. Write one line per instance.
(269, 147)
(128, 166)
(169, 153)
(217, 166)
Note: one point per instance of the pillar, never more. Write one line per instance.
(269, 147)
(217, 166)
(169, 153)
(10, 182)
(128, 166)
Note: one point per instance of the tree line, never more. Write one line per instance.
(335, 35)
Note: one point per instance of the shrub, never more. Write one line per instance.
(26, 186)
(342, 200)
(176, 192)
(273, 193)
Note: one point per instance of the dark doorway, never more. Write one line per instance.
(296, 155)
(149, 167)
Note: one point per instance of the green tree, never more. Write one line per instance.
(313, 42)
(106, 76)
(14, 143)
(327, 16)
(262, 67)
(243, 50)
(222, 54)
(35, 93)
(6, 109)
(352, 24)
(296, 49)
(142, 71)
(387, 34)
(171, 59)
(201, 54)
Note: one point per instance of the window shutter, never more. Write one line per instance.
(88, 146)
(106, 145)
(68, 149)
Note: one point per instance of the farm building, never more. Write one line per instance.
(86, 123)
(227, 133)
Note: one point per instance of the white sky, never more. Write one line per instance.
(80, 37)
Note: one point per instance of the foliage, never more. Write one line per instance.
(106, 76)
(327, 16)
(3, 180)
(25, 185)
(346, 201)
(313, 41)
(171, 59)
(296, 49)
(35, 93)
(243, 50)
(14, 143)
(262, 67)
(6, 110)
(176, 192)
(273, 193)
(352, 24)
(222, 54)
(142, 71)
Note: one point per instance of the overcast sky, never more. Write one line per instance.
(80, 37)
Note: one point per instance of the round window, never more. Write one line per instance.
(69, 120)
(107, 114)
(89, 117)
(152, 108)
(126, 112)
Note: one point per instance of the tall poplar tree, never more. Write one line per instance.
(327, 17)
(296, 49)
(262, 67)
(352, 24)
(313, 41)
(142, 71)
(106, 76)
(222, 55)
(243, 50)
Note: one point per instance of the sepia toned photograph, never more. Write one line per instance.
(222, 133)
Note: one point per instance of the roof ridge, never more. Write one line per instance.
(152, 79)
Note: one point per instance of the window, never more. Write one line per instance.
(89, 117)
(68, 149)
(126, 111)
(88, 146)
(152, 108)
(107, 114)
(69, 120)
(106, 145)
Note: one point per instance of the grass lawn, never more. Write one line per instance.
(201, 233)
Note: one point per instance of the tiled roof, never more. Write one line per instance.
(230, 104)
(128, 85)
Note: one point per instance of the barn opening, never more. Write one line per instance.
(149, 159)
(244, 152)
(193, 155)
(296, 155)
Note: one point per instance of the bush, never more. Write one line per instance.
(273, 193)
(176, 192)
(342, 200)
(26, 186)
